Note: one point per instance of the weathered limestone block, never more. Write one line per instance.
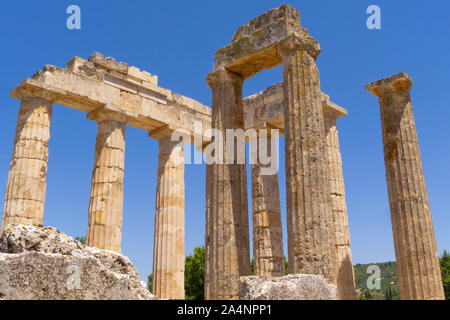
(254, 45)
(339, 219)
(311, 246)
(168, 250)
(415, 245)
(291, 287)
(38, 263)
(265, 109)
(88, 85)
(227, 234)
(106, 203)
(268, 250)
(25, 192)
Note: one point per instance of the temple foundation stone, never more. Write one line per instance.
(415, 245)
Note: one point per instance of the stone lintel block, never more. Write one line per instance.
(284, 12)
(254, 45)
(397, 83)
(30, 88)
(86, 86)
(265, 109)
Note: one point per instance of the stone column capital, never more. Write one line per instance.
(400, 82)
(223, 76)
(299, 42)
(108, 113)
(161, 133)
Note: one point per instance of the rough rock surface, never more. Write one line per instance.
(42, 263)
(291, 287)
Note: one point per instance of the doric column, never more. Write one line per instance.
(227, 233)
(339, 219)
(106, 203)
(267, 232)
(168, 247)
(25, 192)
(310, 242)
(415, 245)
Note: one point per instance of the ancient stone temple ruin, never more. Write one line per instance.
(115, 95)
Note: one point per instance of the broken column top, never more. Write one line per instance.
(254, 45)
(396, 83)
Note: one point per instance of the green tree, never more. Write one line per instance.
(194, 276)
(252, 267)
(388, 293)
(150, 283)
(286, 267)
(81, 239)
(445, 269)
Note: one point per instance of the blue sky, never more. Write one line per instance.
(177, 41)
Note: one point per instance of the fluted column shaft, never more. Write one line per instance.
(267, 232)
(106, 202)
(415, 245)
(168, 252)
(310, 242)
(227, 233)
(25, 192)
(339, 219)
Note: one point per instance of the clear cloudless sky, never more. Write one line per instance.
(176, 40)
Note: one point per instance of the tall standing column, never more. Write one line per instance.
(267, 232)
(227, 233)
(25, 192)
(310, 242)
(106, 203)
(168, 251)
(344, 267)
(415, 245)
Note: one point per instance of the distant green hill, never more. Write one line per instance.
(389, 282)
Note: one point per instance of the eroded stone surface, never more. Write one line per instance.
(89, 85)
(311, 248)
(345, 276)
(291, 287)
(254, 45)
(38, 263)
(227, 231)
(27, 180)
